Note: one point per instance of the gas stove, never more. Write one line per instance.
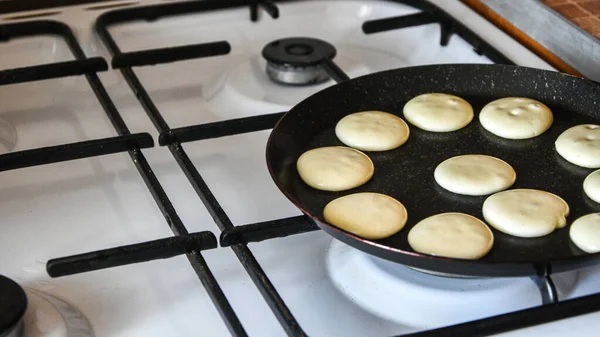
(136, 200)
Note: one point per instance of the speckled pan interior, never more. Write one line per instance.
(406, 173)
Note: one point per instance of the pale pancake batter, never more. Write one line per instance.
(372, 131)
(368, 215)
(591, 186)
(525, 213)
(454, 235)
(474, 174)
(334, 168)
(438, 112)
(585, 233)
(516, 117)
(580, 145)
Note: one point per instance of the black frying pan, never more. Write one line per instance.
(406, 173)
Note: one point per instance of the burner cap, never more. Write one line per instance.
(297, 61)
(13, 303)
(298, 52)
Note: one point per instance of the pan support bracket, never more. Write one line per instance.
(334, 71)
(446, 31)
(545, 285)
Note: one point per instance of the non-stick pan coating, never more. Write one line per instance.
(406, 173)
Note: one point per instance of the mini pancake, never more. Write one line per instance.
(454, 235)
(368, 215)
(334, 168)
(516, 117)
(372, 131)
(585, 233)
(580, 145)
(591, 186)
(474, 174)
(525, 213)
(438, 112)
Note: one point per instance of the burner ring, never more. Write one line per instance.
(296, 76)
(297, 60)
(298, 52)
(299, 49)
(13, 303)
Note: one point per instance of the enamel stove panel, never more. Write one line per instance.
(84, 205)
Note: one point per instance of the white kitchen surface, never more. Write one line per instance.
(79, 206)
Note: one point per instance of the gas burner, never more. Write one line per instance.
(400, 294)
(38, 314)
(297, 61)
(245, 82)
(49, 316)
(13, 303)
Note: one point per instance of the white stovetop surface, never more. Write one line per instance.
(80, 206)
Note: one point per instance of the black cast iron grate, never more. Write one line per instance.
(237, 237)
(183, 242)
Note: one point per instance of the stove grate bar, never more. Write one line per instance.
(247, 259)
(219, 129)
(195, 259)
(412, 20)
(448, 26)
(230, 235)
(545, 284)
(158, 11)
(243, 253)
(167, 55)
(398, 22)
(203, 272)
(261, 231)
(130, 254)
(10, 6)
(52, 70)
(519, 319)
(33, 28)
(334, 71)
(72, 151)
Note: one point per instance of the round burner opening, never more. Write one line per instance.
(297, 61)
(384, 288)
(13, 303)
(299, 49)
